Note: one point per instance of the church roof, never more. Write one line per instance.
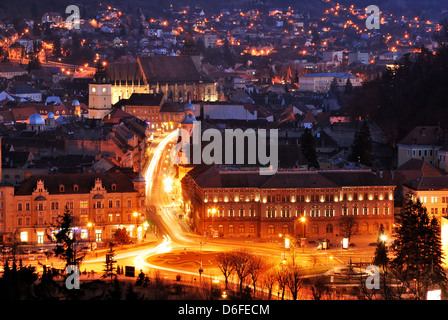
(163, 69)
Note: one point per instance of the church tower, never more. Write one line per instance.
(100, 94)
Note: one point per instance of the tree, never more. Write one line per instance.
(381, 259)
(110, 270)
(256, 268)
(294, 280)
(309, 148)
(349, 226)
(225, 264)
(57, 47)
(121, 236)
(68, 245)
(417, 248)
(34, 63)
(348, 87)
(334, 87)
(361, 149)
(269, 280)
(241, 260)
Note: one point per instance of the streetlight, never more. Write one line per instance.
(89, 226)
(135, 214)
(200, 254)
(303, 220)
(212, 211)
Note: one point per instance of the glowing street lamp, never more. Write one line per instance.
(168, 182)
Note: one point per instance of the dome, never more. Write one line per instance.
(190, 107)
(75, 103)
(50, 115)
(36, 119)
(189, 119)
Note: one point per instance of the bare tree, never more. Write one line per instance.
(241, 262)
(256, 267)
(282, 280)
(349, 226)
(294, 280)
(318, 287)
(269, 280)
(225, 264)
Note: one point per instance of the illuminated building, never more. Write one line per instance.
(99, 95)
(321, 82)
(243, 203)
(100, 203)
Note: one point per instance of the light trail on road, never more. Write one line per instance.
(150, 172)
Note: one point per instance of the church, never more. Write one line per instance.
(178, 77)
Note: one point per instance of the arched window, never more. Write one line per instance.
(365, 227)
(252, 229)
(315, 228)
(271, 229)
(241, 229)
(231, 229)
(329, 228)
(285, 229)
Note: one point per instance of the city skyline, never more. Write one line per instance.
(248, 151)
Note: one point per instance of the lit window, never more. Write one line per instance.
(24, 236)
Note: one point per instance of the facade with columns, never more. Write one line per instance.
(241, 203)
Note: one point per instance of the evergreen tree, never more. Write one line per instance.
(309, 148)
(417, 247)
(334, 88)
(348, 87)
(68, 246)
(381, 258)
(110, 270)
(361, 149)
(437, 274)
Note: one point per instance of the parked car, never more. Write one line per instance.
(6, 249)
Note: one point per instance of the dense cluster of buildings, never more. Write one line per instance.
(75, 136)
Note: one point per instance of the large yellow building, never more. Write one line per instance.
(243, 203)
(101, 203)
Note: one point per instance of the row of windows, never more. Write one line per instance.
(26, 221)
(313, 212)
(285, 229)
(307, 198)
(433, 199)
(83, 204)
(420, 152)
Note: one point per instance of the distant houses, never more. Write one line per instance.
(321, 82)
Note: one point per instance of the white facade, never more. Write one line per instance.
(321, 82)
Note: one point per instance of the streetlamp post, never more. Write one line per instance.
(135, 214)
(303, 220)
(200, 254)
(89, 226)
